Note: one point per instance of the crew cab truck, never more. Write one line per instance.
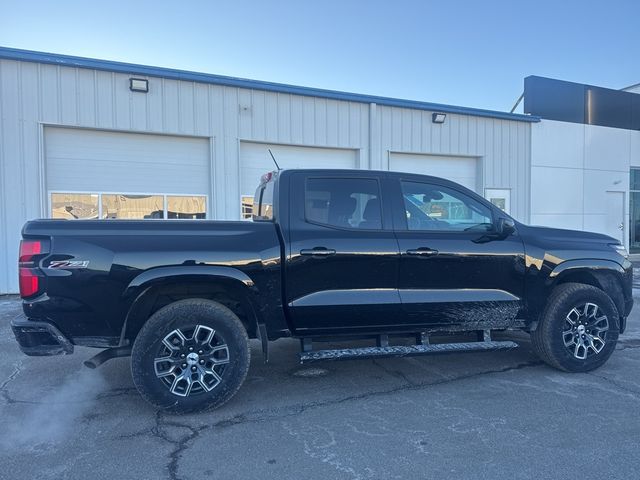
(409, 262)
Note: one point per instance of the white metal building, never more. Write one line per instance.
(78, 139)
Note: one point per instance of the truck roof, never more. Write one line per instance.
(364, 172)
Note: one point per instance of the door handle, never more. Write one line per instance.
(318, 251)
(422, 251)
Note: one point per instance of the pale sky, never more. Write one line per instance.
(470, 53)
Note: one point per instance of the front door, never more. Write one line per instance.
(342, 261)
(615, 215)
(453, 271)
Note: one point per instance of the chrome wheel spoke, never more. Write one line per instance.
(573, 316)
(181, 385)
(580, 351)
(568, 338)
(209, 379)
(175, 340)
(164, 366)
(597, 344)
(203, 335)
(219, 355)
(590, 310)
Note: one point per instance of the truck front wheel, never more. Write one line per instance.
(191, 355)
(578, 329)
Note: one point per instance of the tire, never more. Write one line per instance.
(570, 311)
(180, 335)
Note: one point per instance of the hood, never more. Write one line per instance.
(561, 234)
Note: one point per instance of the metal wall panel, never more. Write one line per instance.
(33, 95)
(503, 147)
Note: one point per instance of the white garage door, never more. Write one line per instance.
(255, 161)
(463, 170)
(156, 173)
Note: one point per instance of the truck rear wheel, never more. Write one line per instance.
(191, 355)
(578, 329)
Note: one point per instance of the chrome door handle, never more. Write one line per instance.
(318, 251)
(422, 251)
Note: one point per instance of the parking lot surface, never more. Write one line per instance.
(477, 416)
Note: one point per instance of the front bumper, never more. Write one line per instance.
(40, 338)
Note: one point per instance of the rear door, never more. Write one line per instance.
(452, 271)
(342, 262)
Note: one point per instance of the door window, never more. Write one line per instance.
(435, 207)
(500, 197)
(344, 202)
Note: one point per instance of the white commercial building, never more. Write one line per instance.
(85, 138)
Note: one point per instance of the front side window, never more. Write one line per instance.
(344, 202)
(434, 207)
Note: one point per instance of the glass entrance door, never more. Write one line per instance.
(634, 211)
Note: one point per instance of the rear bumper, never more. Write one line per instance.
(40, 338)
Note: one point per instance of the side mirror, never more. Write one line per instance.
(505, 227)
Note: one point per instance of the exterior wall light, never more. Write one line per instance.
(438, 117)
(139, 85)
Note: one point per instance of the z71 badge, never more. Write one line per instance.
(69, 264)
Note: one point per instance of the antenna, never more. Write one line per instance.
(274, 160)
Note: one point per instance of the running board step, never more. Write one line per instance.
(404, 350)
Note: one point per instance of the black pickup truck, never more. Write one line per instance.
(414, 264)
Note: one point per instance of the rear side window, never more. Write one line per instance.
(344, 202)
(263, 202)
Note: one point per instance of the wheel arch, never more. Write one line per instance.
(606, 275)
(153, 289)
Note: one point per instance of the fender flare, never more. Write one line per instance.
(145, 281)
(584, 264)
(601, 270)
(187, 270)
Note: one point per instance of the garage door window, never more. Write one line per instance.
(127, 206)
(74, 205)
(246, 205)
(132, 206)
(186, 207)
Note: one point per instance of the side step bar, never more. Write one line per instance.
(404, 350)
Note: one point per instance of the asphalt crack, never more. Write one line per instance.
(180, 445)
(17, 369)
(261, 416)
(267, 415)
(4, 391)
(394, 373)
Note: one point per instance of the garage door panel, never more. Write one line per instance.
(89, 160)
(255, 160)
(462, 170)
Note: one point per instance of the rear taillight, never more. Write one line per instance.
(29, 249)
(28, 271)
(29, 282)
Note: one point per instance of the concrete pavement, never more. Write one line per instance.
(476, 416)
